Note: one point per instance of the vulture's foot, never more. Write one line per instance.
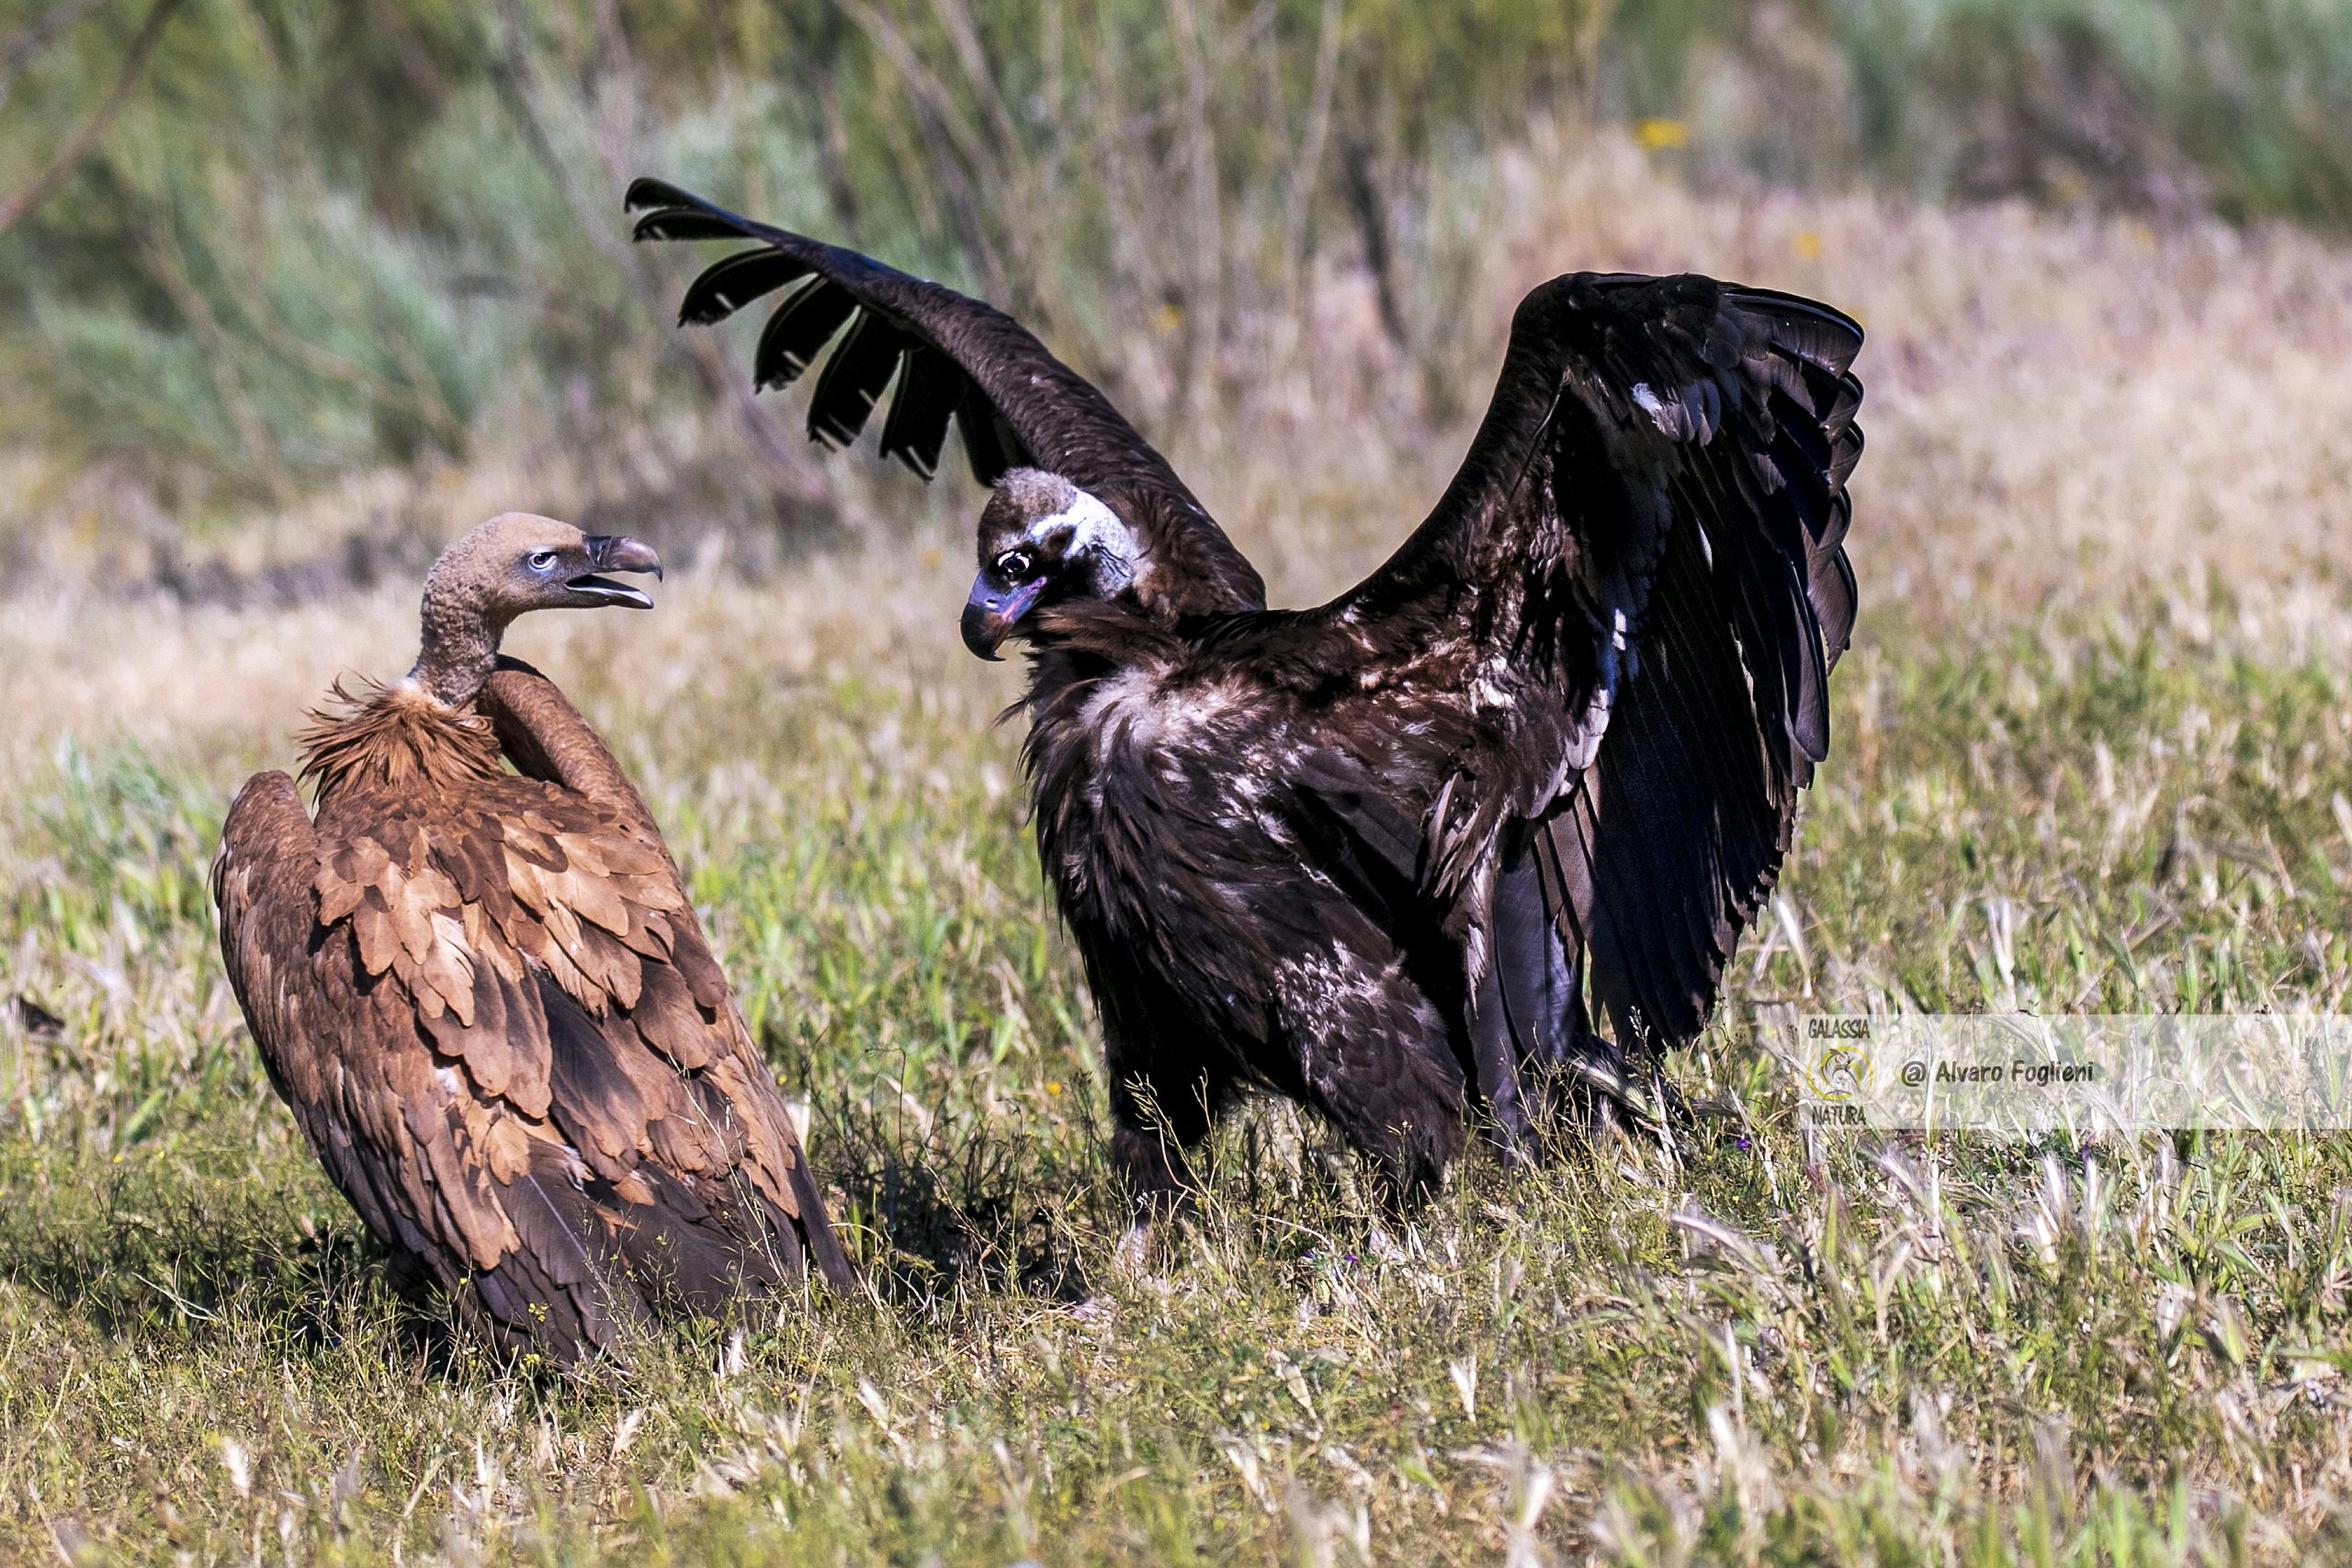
(1595, 1091)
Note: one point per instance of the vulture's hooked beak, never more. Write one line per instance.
(612, 552)
(995, 606)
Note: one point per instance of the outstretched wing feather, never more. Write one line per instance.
(797, 332)
(1051, 416)
(854, 380)
(928, 387)
(729, 284)
(1645, 544)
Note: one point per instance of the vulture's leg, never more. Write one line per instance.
(1541, 1068)
(1376, 1057)
(1161, 1109)
(1550, 1071)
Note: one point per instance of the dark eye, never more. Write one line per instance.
(1014, 564)
(541, 560)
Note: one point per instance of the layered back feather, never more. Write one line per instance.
(487, 1000)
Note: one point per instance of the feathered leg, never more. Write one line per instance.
(1374, 1057)
(1160, 1111)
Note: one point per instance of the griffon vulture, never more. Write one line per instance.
(1389, 856)
(485, 995)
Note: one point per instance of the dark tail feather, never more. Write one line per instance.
(563, 1292)
(824, 1249)
(689, 1258)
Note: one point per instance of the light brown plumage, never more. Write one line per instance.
(486, 996)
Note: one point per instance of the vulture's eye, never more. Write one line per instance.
(1014, 565)
(541, 562)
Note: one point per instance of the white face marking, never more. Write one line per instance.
(1087, 527)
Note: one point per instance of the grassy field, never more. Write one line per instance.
(2093, 752)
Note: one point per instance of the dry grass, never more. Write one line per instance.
(2092, 746)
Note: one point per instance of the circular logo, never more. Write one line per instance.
(1839, 1073)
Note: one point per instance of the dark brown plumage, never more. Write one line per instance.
(485, 995)
(1392, 856)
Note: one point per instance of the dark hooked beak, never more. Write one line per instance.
(994, 608)
(612, 552)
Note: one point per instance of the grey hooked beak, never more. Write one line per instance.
(994, 608)
(614, 552)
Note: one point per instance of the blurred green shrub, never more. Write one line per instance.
(2238, 107)
(119, 846)
(325, 236)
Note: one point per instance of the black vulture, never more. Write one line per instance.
(1390, 856)
(485, 995)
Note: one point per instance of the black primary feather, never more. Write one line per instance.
(854, 380)
(929, 385)
(725, 287)
(683, 224)
(797, 332)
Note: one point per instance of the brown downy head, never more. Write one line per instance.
(513, 564)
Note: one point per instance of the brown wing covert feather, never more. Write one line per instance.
(496, 1019)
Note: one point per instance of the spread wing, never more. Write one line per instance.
(499, 1026)
(1620, 621)
(942, 356)
(953, 357)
